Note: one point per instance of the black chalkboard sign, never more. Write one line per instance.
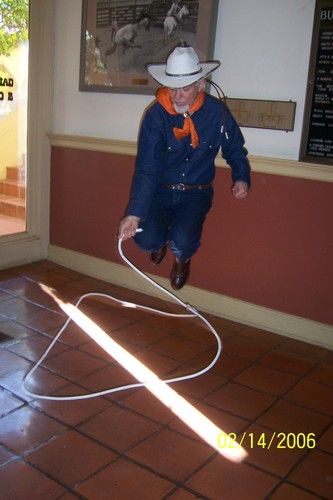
(317, 135)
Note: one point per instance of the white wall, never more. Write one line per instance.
(264, 48)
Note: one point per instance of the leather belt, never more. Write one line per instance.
(185, 187)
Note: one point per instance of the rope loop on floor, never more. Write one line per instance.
(188, 307)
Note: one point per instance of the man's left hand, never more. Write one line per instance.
(240, 189)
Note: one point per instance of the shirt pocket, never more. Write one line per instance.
(174, 145)
(210, 145)
(208, 148)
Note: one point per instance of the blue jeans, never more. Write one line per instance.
(175, 217)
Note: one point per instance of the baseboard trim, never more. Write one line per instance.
(260, 317)
(20, 249)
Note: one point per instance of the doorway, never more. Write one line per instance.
(33, 172)
(14, 58)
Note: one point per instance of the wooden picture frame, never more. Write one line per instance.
(119, 37)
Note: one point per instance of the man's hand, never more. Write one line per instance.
(128, 226)
(240, 189)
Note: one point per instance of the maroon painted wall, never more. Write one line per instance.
(272, 249)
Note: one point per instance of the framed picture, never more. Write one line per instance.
(119, 37)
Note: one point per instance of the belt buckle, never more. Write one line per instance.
(181, 186)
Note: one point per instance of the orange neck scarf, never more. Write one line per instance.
(164, 99)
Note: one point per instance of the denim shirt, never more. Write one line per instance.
(162, 159)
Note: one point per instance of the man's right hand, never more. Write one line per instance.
(128, 226)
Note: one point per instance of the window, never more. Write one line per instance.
(14, 55)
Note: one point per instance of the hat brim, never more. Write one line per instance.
(157, 71)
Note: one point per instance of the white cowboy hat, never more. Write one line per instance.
(182, 68)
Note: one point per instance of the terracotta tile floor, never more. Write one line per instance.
(274, 393)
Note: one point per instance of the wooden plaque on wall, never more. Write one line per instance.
(255, 113)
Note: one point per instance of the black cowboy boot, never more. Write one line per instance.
(157, 256)
(179, 273)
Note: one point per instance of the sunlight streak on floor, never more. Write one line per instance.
(193, 418)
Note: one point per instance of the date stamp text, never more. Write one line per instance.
(267, 441)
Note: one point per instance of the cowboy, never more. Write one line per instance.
(180, 137)
(174, 9)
